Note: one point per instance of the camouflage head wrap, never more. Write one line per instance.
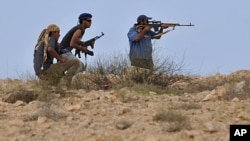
(52, 27)
(44, 37)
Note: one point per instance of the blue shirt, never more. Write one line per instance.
(141, 49)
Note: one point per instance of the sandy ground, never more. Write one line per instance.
(125, 114)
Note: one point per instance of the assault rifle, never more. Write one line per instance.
(157, 24)
(88, 43)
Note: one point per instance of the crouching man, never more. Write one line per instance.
(46, 50)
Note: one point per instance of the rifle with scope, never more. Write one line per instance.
(157, 24)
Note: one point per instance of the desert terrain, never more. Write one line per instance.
(185, 108)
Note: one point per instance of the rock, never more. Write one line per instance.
(208, 97)
(210, 127)
(20, 103)
(123, 124)
(221, 91)
(239, 87)
(41, 119)
(152, 93)
(73, 107)
(236, 99)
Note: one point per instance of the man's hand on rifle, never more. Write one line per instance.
(84, 49)
(90, 43)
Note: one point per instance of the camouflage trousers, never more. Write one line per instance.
(142, 63)
(56, 72)
(71, 56)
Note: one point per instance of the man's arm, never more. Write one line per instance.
(53, 53)
(141, 34)
(74, 41)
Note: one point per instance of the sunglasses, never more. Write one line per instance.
(87, 20)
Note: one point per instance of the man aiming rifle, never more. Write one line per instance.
(140, 36)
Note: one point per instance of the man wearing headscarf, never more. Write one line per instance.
(46, 50)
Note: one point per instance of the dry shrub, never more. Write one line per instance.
(38, 90)
(198, 84)
(136, 74)
(165, 64)
(165, 73)
(26, 76)
(22, 95)
(29, 95)
(90, 81)
(49, 109)
(189, 106)
(147, 88)
(109, 64)
(237, 89)
(126, 95)
(176, 121)
(46, 92)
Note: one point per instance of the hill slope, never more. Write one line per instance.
(193, 109)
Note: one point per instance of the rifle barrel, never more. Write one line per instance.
(176, 24)
(185, 25)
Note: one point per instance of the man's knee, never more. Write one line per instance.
(76, 63)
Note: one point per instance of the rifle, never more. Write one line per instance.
(157, 24)
(88, 43)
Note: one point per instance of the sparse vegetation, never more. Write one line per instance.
(237, 89)
(109, 64)
(188, 106)
(22, 95)
(129, 96)
(176, 121)
(114, 72)
(50, 110)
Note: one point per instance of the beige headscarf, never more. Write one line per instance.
(44, 36)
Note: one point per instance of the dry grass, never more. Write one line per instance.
(175, 120)
(109, 64)
(21, 95)
(240, 90)
(49, 109)
(189, 106)
(40, 90)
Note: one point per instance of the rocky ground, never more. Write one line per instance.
(197, 109)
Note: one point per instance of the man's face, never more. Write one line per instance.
(145, 22)
(87, 22)
(56, 34)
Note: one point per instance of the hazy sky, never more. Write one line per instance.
(219, 41)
